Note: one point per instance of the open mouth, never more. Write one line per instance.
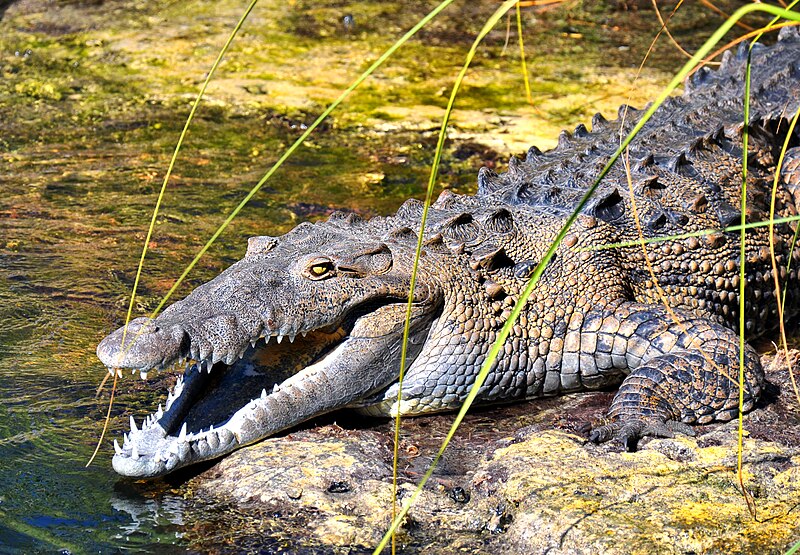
(201, 409)
(277, 383)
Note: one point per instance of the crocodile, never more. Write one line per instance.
(313, 321)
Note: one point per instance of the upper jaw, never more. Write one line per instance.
(144, 346)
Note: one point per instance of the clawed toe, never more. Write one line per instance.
(628, 432)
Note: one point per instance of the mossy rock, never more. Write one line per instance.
(534, 486)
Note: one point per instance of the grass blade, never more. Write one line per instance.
(397, 518)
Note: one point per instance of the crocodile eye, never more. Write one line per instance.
(320, 268)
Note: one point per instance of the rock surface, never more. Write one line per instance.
(518, 479)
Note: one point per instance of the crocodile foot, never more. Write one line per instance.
(630, 430)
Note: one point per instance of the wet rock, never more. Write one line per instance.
(531, 484)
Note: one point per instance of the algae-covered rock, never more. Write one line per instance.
(674, 496)
(523, 480)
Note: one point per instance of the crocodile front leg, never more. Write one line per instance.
(681, 372)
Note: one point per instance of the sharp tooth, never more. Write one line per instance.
(125, 439)
(225, 436)
(279, 337)
(253, 343)
(263, 393)
(266, 339)
(133, 425)
(182, 435)
(291, 337)
(304, 333)
(119, 372)
(275, 388)
(110, 371)
(143, 375)
(133, 371)
(117, 448)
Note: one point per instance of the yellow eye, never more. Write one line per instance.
(320, 268)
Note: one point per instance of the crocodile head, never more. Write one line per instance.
(306, 323)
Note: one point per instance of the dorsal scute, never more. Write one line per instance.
(682, 160)
(499, 220)
(489, 182)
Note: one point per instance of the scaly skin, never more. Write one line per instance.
(596, 319)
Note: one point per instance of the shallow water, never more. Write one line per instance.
(92, 100)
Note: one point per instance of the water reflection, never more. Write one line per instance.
(146, 515)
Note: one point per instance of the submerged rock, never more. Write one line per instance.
(535, 486)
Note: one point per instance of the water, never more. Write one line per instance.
(91, 102)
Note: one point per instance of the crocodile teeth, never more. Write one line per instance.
(263, 393)
(143, 374)
(117, 448)
(253, 343)
(182, 435)
(291, 337)
(225, 436)
(183, 450)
